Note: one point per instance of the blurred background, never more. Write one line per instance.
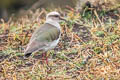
(18, 7)
(8, 7)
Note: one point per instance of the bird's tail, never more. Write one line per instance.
(27, 54)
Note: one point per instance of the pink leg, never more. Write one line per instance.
(44, 57)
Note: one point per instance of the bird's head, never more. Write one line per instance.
(54, 16)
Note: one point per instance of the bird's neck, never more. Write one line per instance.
(52, 22)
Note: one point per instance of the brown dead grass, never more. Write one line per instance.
(75, 58)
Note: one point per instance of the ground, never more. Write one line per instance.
(89, 48)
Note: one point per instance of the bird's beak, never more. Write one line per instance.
(63, 19)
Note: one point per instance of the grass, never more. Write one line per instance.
(89, 49)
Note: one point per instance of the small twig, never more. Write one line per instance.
(95, 12)
(77, 37)
(71, 39)
(71, 9)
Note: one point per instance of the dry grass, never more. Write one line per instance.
(96, 57)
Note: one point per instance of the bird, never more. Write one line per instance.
(47, 36)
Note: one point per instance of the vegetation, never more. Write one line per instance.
(97, 58)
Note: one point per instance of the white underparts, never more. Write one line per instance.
(52, 45)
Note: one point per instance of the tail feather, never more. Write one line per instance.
(27, 54)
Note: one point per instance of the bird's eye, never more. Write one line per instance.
(56, 15)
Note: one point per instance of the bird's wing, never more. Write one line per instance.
(34, 46)
(46, 32)
(42, 37)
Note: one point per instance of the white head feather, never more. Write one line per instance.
(52, 13)
(53, 20)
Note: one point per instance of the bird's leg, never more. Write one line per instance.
(44, 57)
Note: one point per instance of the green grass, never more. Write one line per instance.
(74, 59)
